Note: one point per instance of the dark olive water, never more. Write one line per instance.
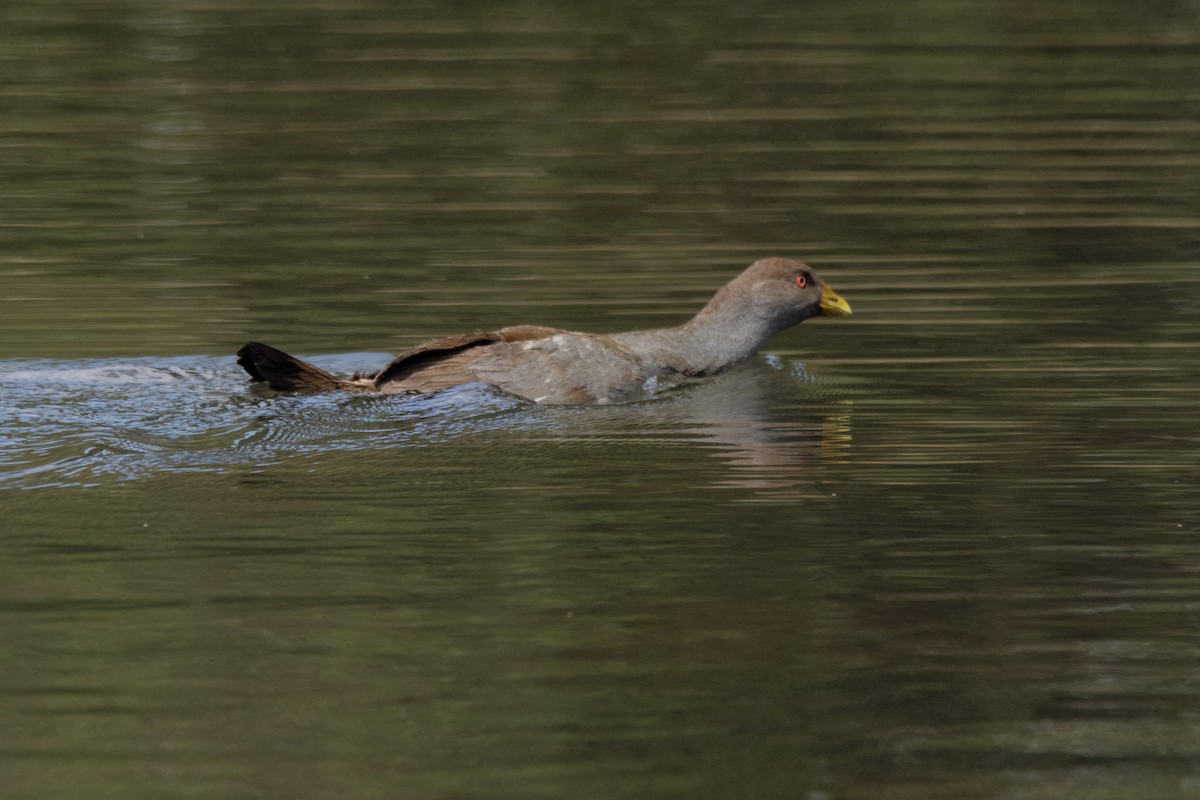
(947, 548)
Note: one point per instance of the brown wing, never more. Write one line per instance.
(442, 363)
(566, 368)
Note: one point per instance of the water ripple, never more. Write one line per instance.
(81, 423)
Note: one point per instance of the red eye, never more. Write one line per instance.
(801, 280)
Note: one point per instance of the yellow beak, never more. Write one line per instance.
(832, 303)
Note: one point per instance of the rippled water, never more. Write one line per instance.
(88, 423)
(945, 548)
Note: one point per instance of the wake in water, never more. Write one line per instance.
(87, 422)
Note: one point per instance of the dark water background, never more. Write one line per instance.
(944, 549)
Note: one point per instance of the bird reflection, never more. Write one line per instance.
(772, 427)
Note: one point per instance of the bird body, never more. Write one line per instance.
(553, 366)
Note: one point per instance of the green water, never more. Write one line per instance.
(946, 548)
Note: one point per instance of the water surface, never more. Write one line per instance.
(945, 548)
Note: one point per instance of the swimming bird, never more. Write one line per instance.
(553, 366)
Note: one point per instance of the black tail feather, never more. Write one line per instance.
(282, 372)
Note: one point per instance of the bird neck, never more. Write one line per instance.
(715, 339)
